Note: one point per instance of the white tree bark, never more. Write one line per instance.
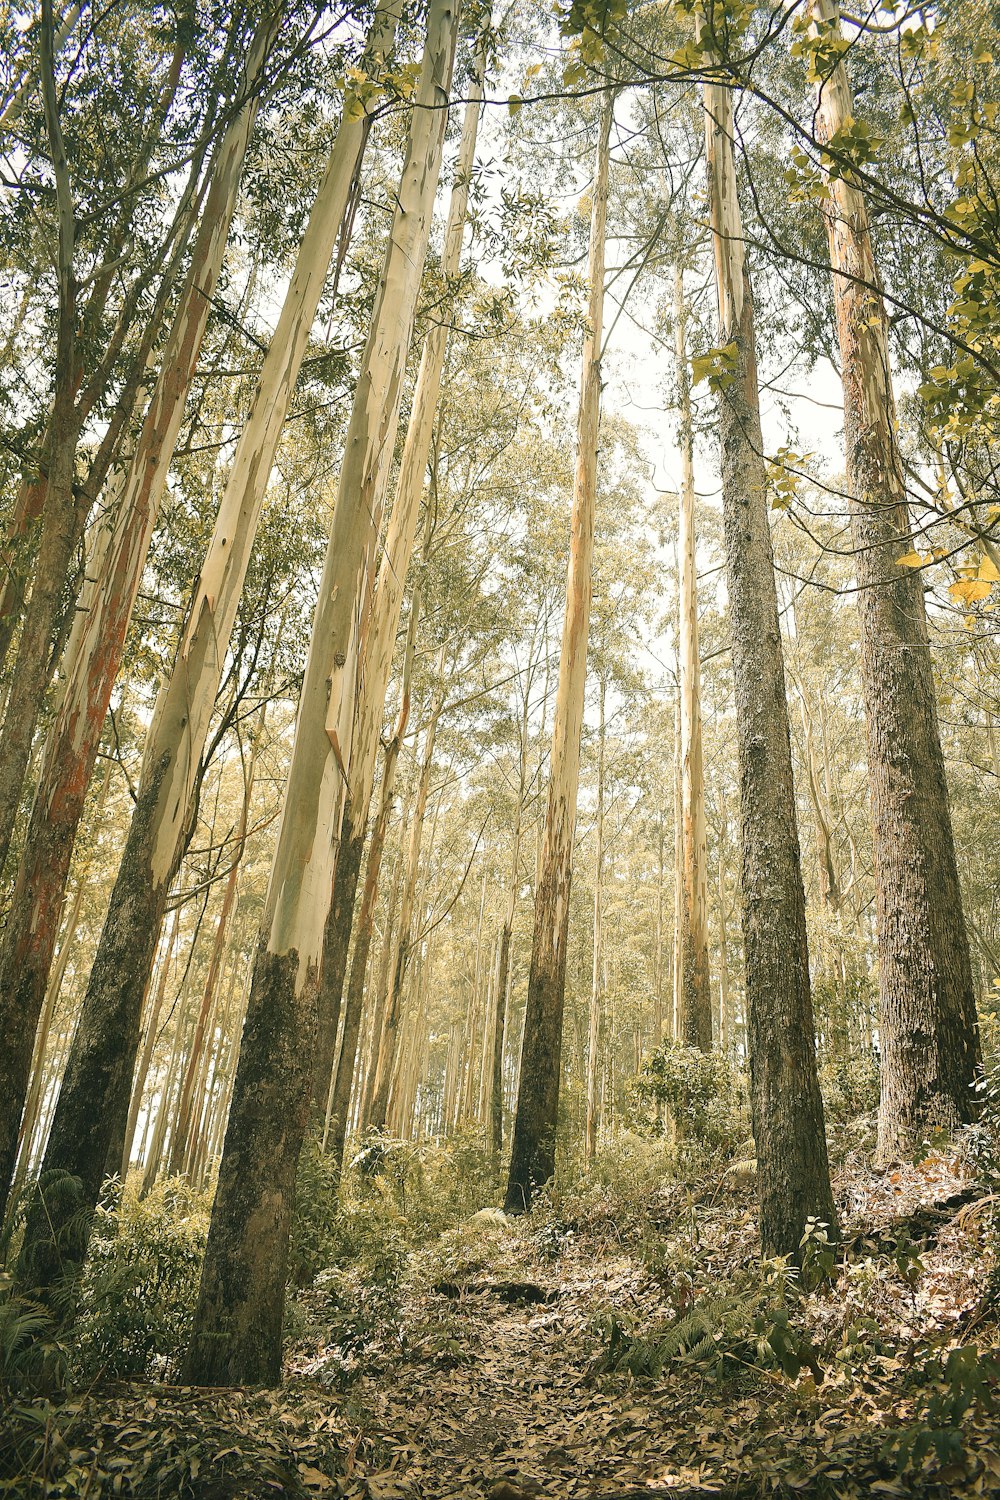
(301, 876)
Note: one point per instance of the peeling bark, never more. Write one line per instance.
(384, 603)
(97, 645)
(248, 1236)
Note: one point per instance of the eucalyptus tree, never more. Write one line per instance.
(929, 1043)
(793, 1171)
(95, 646)
(237, 1330)
(119, 247)
(533, 1142)
(100, 1065)
(385, 601)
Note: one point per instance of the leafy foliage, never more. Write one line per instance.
(141, 1283)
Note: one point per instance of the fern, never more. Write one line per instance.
(31, 1359)
(748, 1324)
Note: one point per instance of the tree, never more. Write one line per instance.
(385, 600)
(95, 648)
(237, 1328)
(533, 1144)
(695, 976)
(929, 1038)
(792, 1169)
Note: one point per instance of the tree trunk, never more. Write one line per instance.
(185, 1108)
(695, 976)
(73, 742)
(48, 504)
(149, 1042)
(385, 602)
(344, 1073)
(928, 1028)
(55, 551)
(594, 1029)
(389, 1041)
(787, 1110)
(382, 988)
(534, 1140)
(237, 1325)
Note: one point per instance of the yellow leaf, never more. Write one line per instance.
(988, 571)
(911, 560)
(968, 590)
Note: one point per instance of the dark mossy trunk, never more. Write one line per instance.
(336, 946)
(533, 1147)
(236, 1338)
(354, 1007)
(91, 1114)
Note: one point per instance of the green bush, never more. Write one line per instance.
(140, 1283)
(704, 1095)
(850, 1087)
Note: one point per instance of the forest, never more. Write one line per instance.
(499, 713)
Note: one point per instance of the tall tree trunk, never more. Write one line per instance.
(534, 1140)
(73, 742)
(695, 976)
(659, 962)
(677, 944)
(382, 988)
(928, 1030)
(594, 1029)
(237, 1325)
(506, 935)
(787, 1110)
(58, 525)
(50, 507)
(149, 1042)
(103, 1059)
(389, 1040)
(385, 602)
(182, 1132)
(344, 1073)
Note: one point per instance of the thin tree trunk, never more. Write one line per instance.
(928, 1031)
(179, 1144)
(344, 1073)
(677, 945)
(149, 1042)
(534, 1139)
(237, 1324)
(787, 1110)
(388, 1046)
(58, 530)
(30, 1119)
(596, 986)
(695, 975)
(48, 503)
(659, 963)
(382, 988)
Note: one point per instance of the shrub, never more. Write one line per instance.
(703, 1093)
(850, 1087)
(140, 1283)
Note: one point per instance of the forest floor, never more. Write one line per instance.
(601, 1348)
